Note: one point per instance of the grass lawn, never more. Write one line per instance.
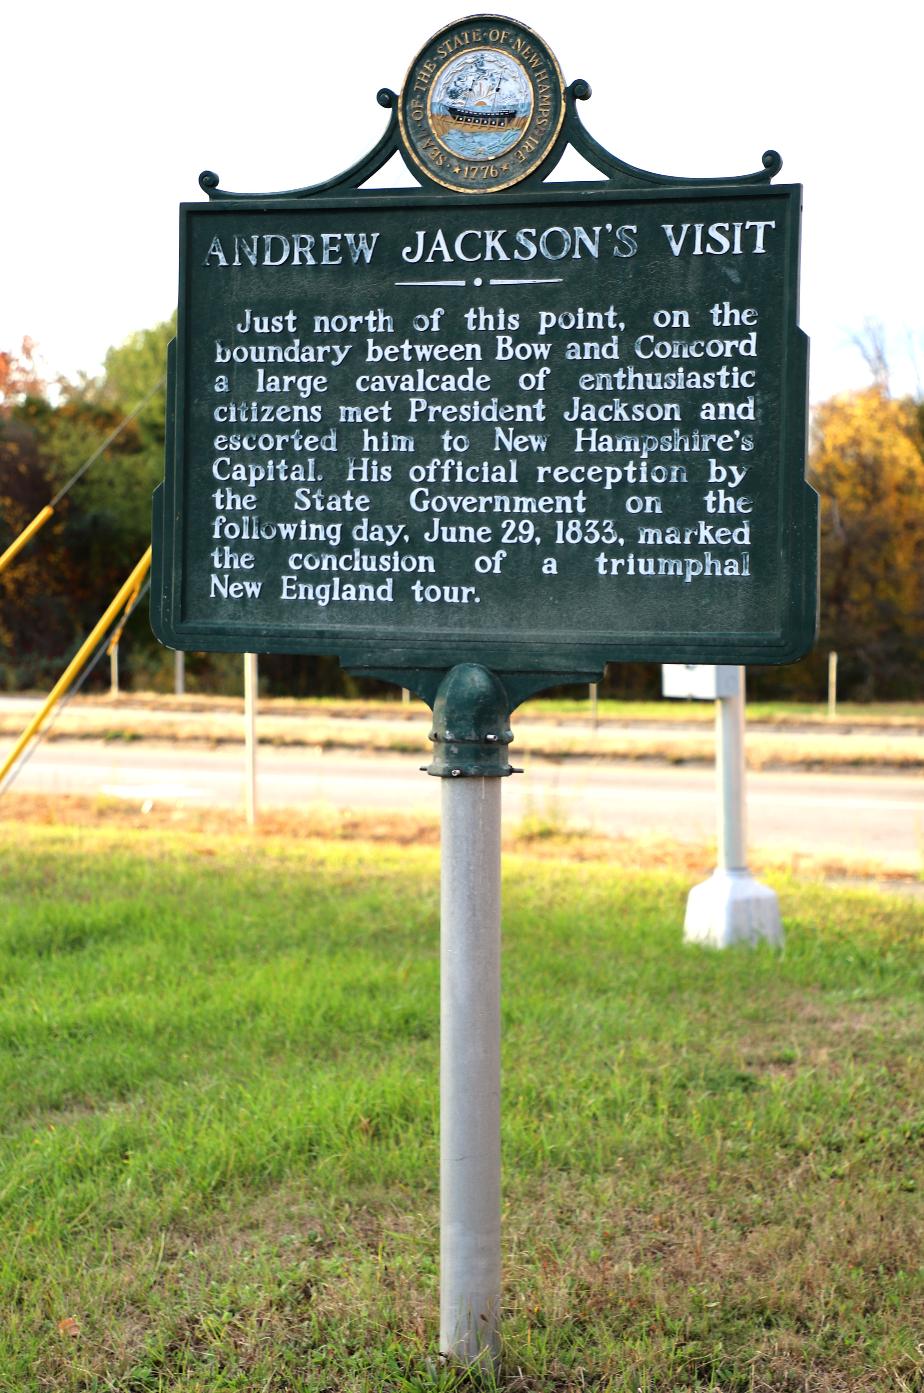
(219, 1135)
(541, 708)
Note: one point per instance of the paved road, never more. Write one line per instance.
(855, 816)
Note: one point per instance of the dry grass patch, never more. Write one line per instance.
(665, 732)
(544, 838)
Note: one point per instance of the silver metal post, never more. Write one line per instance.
(729, 732)
(470, 1168)
(832, 686)
(114, 671)
(179, 674)
(593, 704)
(250, 735)
(731, 906)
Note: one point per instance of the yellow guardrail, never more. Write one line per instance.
(25, 536)
(124, 598)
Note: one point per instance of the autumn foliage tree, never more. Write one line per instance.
(27, 605)
(58, 585)
(19, 377)
(867, 463)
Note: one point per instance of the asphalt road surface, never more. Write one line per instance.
(868, 817)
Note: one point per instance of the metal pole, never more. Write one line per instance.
(114, 671)
(179, 674)
(250, 735)
(832, 686)
(729, 716)
(470, 1169)
(593, 704)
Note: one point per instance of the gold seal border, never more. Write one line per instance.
(448, 29)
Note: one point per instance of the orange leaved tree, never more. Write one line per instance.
(867, 463)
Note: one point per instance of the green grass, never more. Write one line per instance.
(880, 713)
(852, 713)
(219, 1135)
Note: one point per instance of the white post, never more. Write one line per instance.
(729, 739)
(470, 1199)
(832, 686)
(250, 735)
(179, 673)
(114, 670)
(731, 906)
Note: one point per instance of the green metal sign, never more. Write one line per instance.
(539, 428)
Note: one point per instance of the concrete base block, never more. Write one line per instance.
(732, 907)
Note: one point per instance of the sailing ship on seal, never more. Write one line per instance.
(480, 104)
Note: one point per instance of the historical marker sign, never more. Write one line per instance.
(481, 438)
(541, 429)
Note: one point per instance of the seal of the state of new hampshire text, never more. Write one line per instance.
(482, 105)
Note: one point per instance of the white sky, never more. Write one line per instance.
(114, 109)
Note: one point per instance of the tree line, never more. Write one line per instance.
(866, 461)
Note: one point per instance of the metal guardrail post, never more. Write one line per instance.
(129, 588)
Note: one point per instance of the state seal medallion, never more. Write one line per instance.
(482, 105)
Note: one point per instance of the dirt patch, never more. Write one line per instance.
(75, 810)
(533, 837)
